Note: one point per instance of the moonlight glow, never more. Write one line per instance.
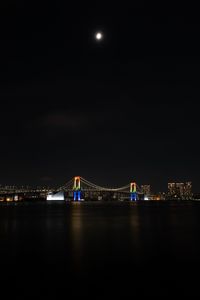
(98, 36)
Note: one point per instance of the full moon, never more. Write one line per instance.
(98, 36)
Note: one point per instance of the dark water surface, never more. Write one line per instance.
(100, 250)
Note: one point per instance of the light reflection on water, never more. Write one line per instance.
(91, 241)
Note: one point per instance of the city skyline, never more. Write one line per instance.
(147, 188)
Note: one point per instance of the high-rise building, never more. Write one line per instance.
(180, 190)
(146, 191)
(171, 189)
(188, 190)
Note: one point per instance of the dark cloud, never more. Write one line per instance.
(64, 121)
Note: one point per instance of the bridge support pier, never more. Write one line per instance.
(77, 196)
(133, 197)
(77, 188)
(133, 191)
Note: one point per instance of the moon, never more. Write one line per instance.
(98, 36)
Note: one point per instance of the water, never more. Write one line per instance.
(100, 250)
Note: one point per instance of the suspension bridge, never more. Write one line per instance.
(78, 189)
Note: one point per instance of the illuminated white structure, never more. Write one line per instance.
(56, 197)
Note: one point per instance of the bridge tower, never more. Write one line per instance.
(77, 188)
(133, 191)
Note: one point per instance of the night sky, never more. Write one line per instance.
(114, 111)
